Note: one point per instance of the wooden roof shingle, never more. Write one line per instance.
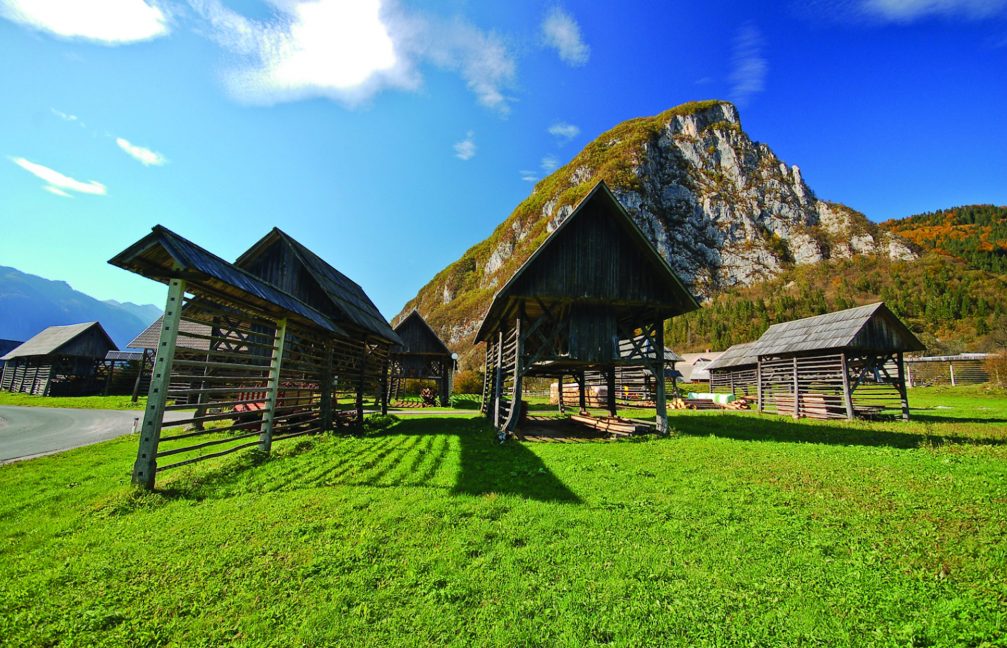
(739, 355)
(50, 340)
(870, 328)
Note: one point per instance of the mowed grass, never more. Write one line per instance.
(78, 402)
(738, 529)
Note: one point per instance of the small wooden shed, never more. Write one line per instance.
(593, 284)
(735, 371)
(421, 356)
(838, 365)
(59, 361)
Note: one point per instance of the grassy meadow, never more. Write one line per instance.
(79, 402)
(737, 529)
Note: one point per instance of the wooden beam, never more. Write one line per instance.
(847, 393)
(150, 433)
(660, 401)
(900, 360)
(273, 386)
(498, 380)
(797, 395)
(325, 397)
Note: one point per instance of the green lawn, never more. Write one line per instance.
(80, 402)
(738, 529)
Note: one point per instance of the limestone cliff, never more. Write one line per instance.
(722, 209)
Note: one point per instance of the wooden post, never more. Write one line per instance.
(562, 405)
(797, 395)
(498, 380)
(902, 386)
(325, 401)
(847, 394)
(610, 390)
(385, 368)
(150, 434)
(360, 387)
(515, 406)
(273, 387)
(583, 392)
(951, 367)
(758, 379)
(660, 402)
(909, 376)
(445, 384)
(139, 376)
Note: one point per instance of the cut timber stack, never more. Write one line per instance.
(738, 404)
(611, 424)
(694, 404)
(811, 405)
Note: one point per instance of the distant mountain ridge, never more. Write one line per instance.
(29, 303)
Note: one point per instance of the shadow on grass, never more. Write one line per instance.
(424, 452)
(777, 428)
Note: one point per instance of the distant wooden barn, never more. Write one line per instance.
(735, 371)
(421, 356)
(838, 365)
(59, 361)
(593, 285)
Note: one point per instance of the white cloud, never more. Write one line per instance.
(549, 163)
(349, 51)
(528, 176)
(909, 10)
(466, 149)
(110, 22)
(750, 67)
(141, 154)
(561, 32)
(564, 132)
(58, 183)
(64, 116)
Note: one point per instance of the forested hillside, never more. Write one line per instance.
(977, 234)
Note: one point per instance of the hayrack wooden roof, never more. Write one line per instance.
(418, 338)
(163, 255)
(56, 339)
(350, 304)
(150, 336)
(870, 328)
(739, 355)
(596, 256)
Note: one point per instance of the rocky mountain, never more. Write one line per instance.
(29, 303)
(722, 209)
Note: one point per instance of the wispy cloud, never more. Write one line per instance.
(141, 154)
(564, 132)
(58, 183)
(351, 51)
(110, 22)
(64, 116)
(748, 76)
(549, 163)
(466, 149)
(909, 10)
(561, 32)
(529, 176)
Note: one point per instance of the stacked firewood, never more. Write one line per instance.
(738, 404)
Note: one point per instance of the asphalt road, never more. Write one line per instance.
(27, 432)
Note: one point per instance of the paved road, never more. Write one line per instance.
(27, 432)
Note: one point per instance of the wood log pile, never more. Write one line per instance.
(742, 403)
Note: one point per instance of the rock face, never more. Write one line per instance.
(722, 209)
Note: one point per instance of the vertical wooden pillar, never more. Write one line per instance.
(660, 401)
(325, 401)
(562, 405)
(951, 368)
(498, 380)
(150, 433)
(797, 394)
(359, 404)
(583, 392)
(515, 406)
(909, 377)
(847, 394)
(610, 390)
(902, 386)
(139, 376)
(445, 385)
(273, 387)
(385, 368)
(758, 380)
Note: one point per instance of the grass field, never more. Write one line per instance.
(80, 402)
(737, 529)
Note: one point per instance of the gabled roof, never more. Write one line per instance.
(162, 255)
(51, 339)
(151, 335)
(871, 328)
(415, 320)
(603, 196)
(739, 355)
(349, 299)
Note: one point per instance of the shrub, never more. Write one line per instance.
(996, 367)
(468, 381)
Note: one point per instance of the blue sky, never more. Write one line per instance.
(389, 136)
